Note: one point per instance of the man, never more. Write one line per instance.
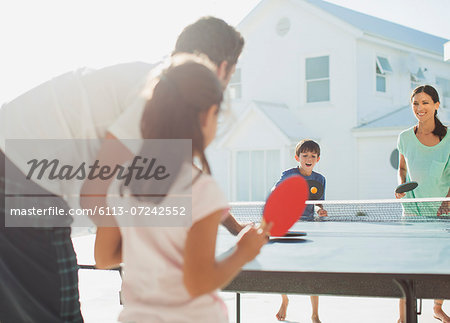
(38, 267)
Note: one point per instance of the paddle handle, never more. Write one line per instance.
(263, 224)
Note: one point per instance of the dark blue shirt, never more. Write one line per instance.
(308, 214)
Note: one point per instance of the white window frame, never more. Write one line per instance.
(318, 79)
(443, 90)
(417, 78)
(235, 172)
(235, 85)
(382, 71)
(445, 100)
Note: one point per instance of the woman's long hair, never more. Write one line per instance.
(180, 96)
(439, 130)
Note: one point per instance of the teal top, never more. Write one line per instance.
(428, 166)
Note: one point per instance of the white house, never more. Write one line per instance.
(312, 69)
(447, 51)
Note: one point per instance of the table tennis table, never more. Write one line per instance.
(397, 259)
(345, 256)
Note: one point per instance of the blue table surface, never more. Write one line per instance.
(355, 247)
(340, 247)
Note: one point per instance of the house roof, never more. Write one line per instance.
(383, 28)
(283, 118)
(400, 118)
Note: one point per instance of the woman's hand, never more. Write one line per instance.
(399, 195)
(444, 209)
(402, 171)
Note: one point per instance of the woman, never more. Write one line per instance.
(424, 157)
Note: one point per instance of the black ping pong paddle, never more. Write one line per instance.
(315, 189)
(295, 234)
(406, 187)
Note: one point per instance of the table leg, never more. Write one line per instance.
(238, 308)
(407, 288)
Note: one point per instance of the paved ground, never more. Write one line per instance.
(99, 293)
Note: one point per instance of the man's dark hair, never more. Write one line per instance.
(214, 38)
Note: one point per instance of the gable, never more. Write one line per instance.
(349, 20)
(255, 131)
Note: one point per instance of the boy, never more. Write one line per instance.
(307, 154)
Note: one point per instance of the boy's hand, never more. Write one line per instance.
(322, 212)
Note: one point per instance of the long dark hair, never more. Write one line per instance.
(181, 94)
(439, 130)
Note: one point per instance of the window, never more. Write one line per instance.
(382, 69)
(317, 79)
(417, 78)
(234, 86)
(256, 173)
(384, 65)
(444, 86)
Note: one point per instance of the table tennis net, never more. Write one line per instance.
(420, 210)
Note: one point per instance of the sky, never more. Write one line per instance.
(44, 38)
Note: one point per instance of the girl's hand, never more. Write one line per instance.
(251, 241)
(399, 195)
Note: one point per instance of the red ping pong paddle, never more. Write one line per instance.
(406, 187)
(285, 205)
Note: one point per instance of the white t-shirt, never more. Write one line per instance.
(83, 104)
(152, 287)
